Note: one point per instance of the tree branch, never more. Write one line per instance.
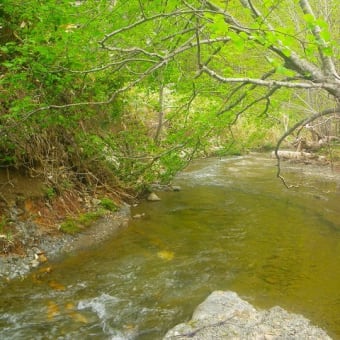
(292, 60)
(180, 12)
(113, 64)
(302, 122)
(327, 61)
(244, 94)
(260, 82)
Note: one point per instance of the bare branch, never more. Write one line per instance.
(133, 50)
(244, 94)
(113, 64)
(198, 53)
(180, 12)
(260, 82)
(265, 97)
(186, 30)
(160, 112)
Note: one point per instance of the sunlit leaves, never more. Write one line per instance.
(238, 41)
(309, 20)
(328, 51)
(321, 36)
(216, 25)
(280, 69)
(181, 37)
(325, 35)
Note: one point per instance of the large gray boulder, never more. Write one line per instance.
(224, 315)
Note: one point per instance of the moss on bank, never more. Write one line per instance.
(75, 224)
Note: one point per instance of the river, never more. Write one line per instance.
(233, 226)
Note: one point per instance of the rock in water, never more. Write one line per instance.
(224, 315)
(153, 197)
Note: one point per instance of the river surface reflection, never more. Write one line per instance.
(233, 226)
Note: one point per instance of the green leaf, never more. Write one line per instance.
(7, 64)
(284, 71)
(237, 40)
(310, 21)
(219, 26)
(328, 51)
(325, 35)
(322, 23)
(287, 52)
(243, 35)
(4, 49)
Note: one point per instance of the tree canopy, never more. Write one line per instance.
(142, 86)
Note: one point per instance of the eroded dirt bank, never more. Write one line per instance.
(32, 217)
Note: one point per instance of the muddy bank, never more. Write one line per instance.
(40, 247)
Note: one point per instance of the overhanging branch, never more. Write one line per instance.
(261, 82)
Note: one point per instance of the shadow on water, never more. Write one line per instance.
(233, 226)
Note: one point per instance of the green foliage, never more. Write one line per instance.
(50, 193)
(108, 204)
(44, 42)
(53, 56)
(87, 219)
(70, 226)
(74, 225)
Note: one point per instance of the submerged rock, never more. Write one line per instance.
(224, 315)
(138, 216)
(165, 187)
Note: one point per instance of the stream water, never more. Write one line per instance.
(233, 226)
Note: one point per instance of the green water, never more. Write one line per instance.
(233, 226)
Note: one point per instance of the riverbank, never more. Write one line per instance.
(233, 226)
(31, 221)
(38, 247)
(38, 224)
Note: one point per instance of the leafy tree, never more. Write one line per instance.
(42, 127)
(148, 84)
(252, 53)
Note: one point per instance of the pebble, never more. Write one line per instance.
(153, 197)
(139, 215)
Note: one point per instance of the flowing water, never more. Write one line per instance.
(233, 226)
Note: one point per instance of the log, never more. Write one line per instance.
(297, 155)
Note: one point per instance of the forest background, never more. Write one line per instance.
(106, 97)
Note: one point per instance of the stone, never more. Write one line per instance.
(138, 216)
(224, 315)
(42, 258)
(35, 263)
(153, 197)
(96, 202)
